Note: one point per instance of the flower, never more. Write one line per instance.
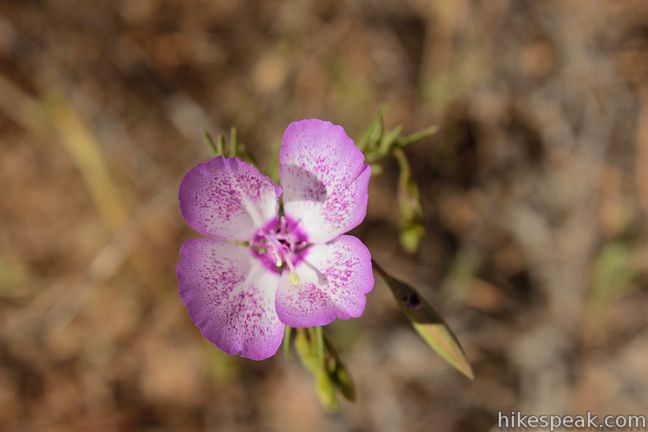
(258, 268)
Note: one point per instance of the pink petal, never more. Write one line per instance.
(324, 179)
(230, 297)
(227, 198)
(333, 283)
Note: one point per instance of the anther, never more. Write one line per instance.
(294, 277)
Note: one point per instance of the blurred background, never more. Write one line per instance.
(534, 191)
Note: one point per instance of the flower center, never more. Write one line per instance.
(280, 244)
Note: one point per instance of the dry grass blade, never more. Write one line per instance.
(85, 150)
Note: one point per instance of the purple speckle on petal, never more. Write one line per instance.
(227, 198)
(324, 179)
(333, 283)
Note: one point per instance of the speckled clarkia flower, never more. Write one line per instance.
(260, 268)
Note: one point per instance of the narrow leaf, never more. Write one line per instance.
(210, 141)
(427, 322)
(388, 139)
(338, 371)
(416, 136)
(303, 348)
(343, 382)
(372, 134)
(326, 390)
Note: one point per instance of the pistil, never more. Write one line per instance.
(279, 246)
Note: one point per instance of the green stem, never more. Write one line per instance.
(286, 341)
(319, 340)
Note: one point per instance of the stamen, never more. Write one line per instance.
(294, 277)
(275, 247)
